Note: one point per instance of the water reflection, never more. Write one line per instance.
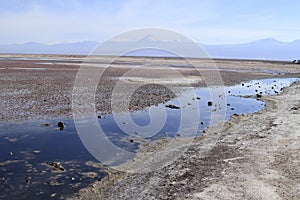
(27, 147)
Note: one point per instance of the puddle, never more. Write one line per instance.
(27, 147)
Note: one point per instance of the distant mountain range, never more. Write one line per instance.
(265, 49)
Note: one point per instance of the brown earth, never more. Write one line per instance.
(41, 86)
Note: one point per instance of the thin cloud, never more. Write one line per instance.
(213, 21)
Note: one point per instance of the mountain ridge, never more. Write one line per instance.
(266, 49)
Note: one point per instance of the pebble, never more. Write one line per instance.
(61, 125)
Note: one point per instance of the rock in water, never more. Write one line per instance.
(56, 166)
(46, 124)
(61, 125)
(172, 106)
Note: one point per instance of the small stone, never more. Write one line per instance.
(46, 124)
(172, 106)
(56, 166)
(53, 195)
(209, 103)
(258, 95)
(27, 179)
(36, 151)
(11, 153)
(61, 125)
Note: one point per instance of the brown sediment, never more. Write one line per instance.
(43, 88)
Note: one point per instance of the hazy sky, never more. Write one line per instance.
(206, 21)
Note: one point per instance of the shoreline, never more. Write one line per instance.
(246, 162)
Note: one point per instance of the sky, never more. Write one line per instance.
(205, 21)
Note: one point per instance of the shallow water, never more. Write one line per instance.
(26, 147)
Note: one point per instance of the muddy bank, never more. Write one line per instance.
(256, 156)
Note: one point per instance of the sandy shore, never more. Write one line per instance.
(256, 156)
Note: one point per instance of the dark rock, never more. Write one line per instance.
(209, 103)
(228, 104)
(172, 106)
(27, 179)
(294, 108)
(131, 140)
(61, 125)
(56, 166)
(198, 98)
(258, 95)
(46, 124)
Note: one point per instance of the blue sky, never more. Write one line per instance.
(206, 21)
